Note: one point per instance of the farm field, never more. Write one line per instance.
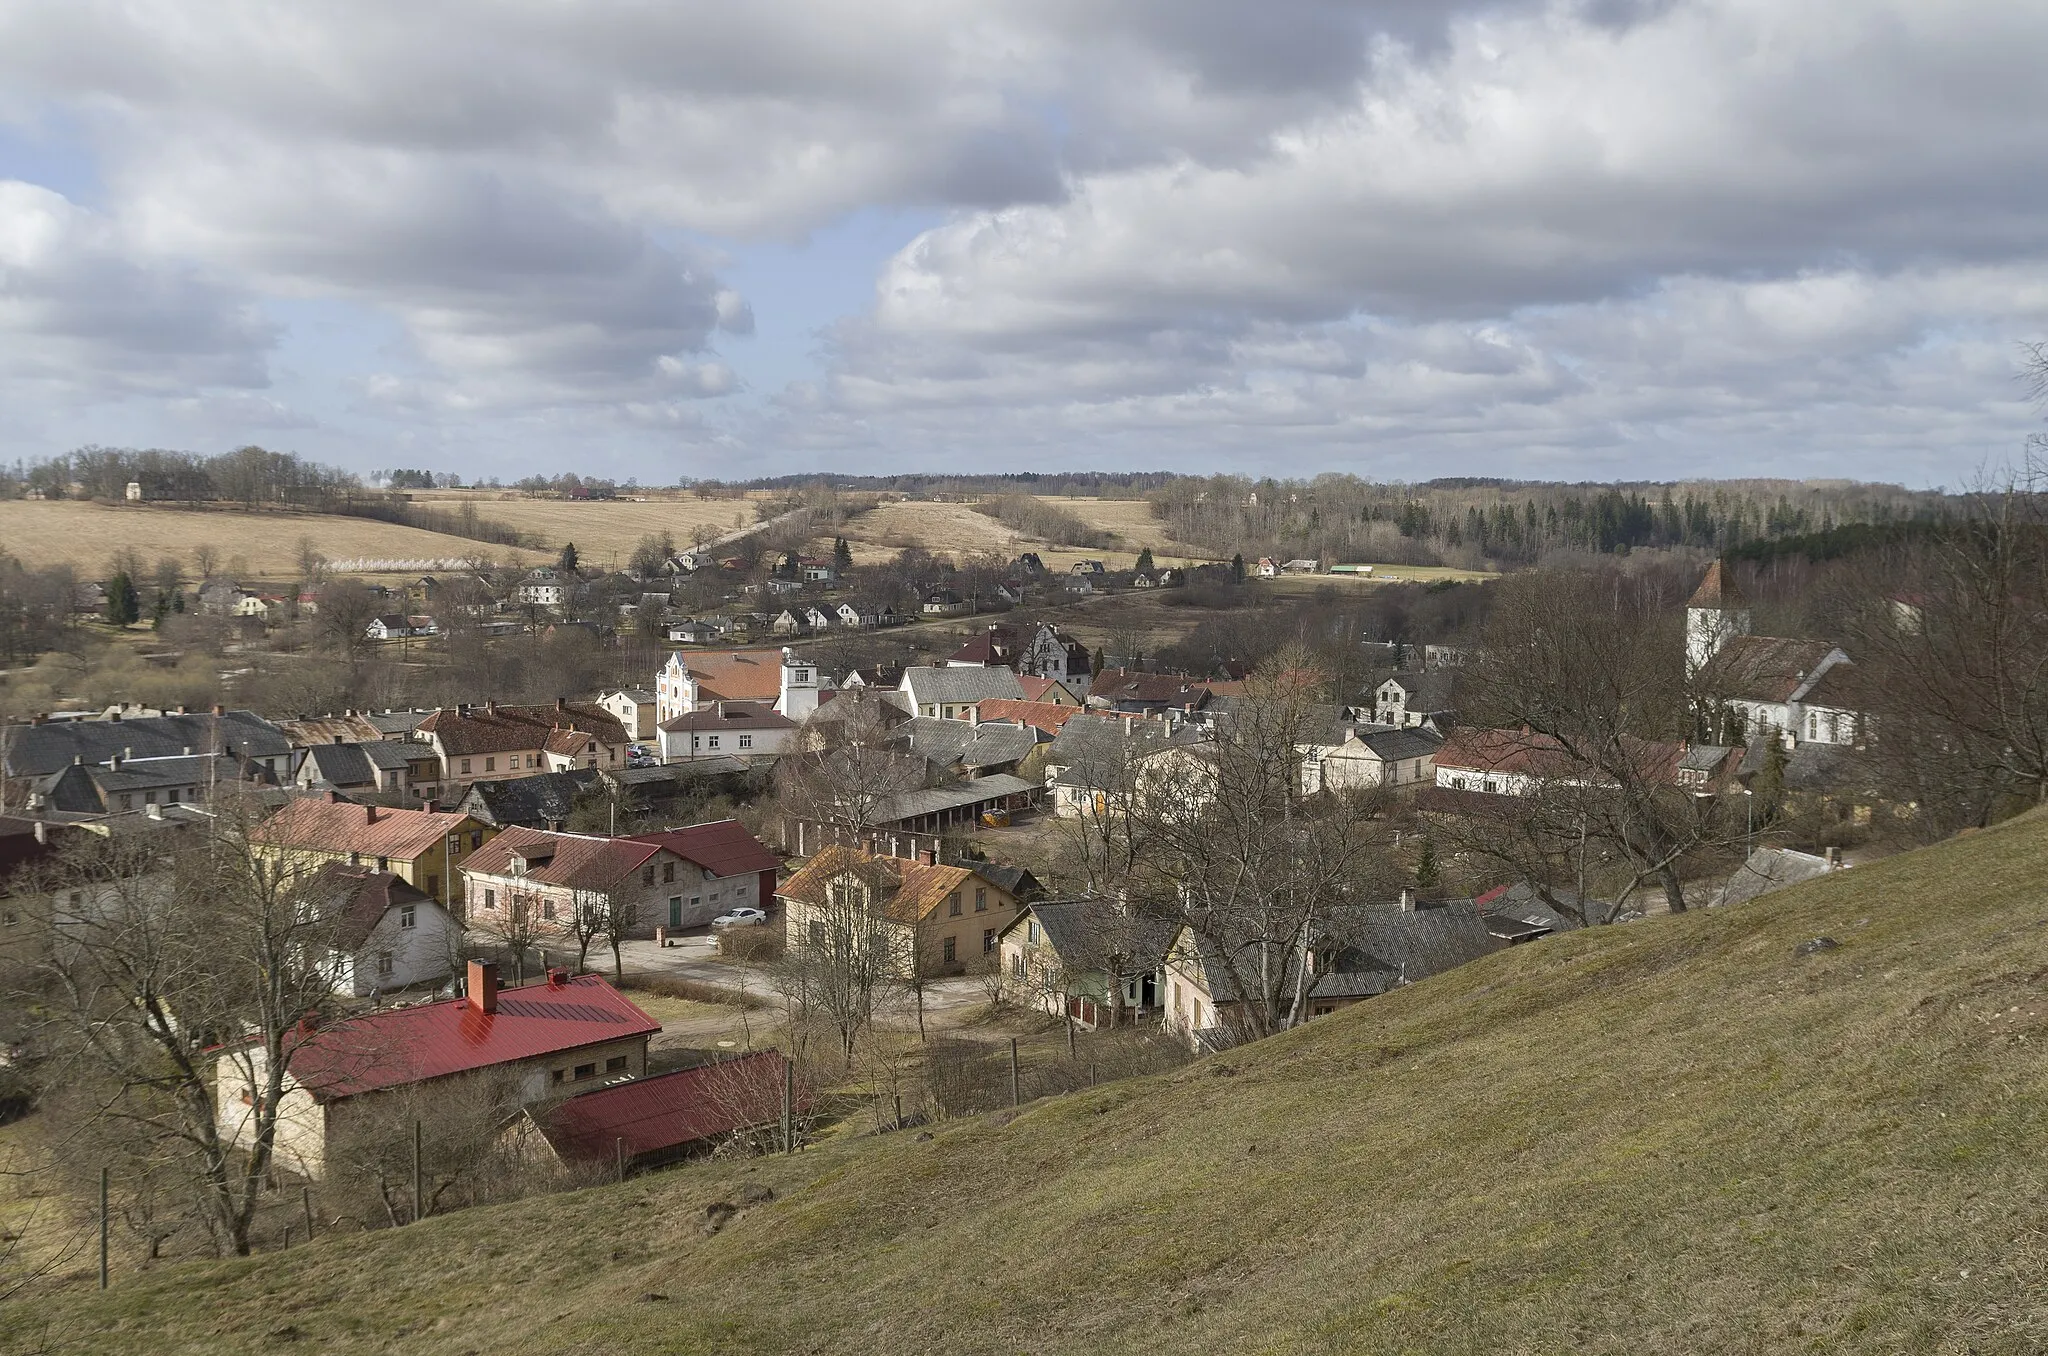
(1132, 521)
(266, 543)
(956, 529)
(605, 532)
(1292, 584)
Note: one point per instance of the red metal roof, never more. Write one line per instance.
(724, 847)
(408, 1045)
(670, 1110)
(372, 830)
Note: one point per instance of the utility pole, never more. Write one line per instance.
(1013, 1071)
(103, 1227)
(418, 1194)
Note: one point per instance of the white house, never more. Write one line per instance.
(746, 730)
(542, 588)
(1369, 758)
(634, 707)
(387, 934)
(1804, 690)
(1407, 700)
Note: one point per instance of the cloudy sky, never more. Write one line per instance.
(1402, 238)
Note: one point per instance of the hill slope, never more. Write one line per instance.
(1673, 1136)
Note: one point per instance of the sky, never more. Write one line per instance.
(1603, 239)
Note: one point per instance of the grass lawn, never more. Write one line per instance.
(1680, 1135)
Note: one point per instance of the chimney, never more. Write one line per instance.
(558, 978)
(369, 814)
(333, 796)
(114, 763)
(929, 856)
(153, 811)
(184, 710)
(337, 739)
(1834, 859)
(116, 717)
(431, 806)
(219, 710)
(561, 703)
(42, 832)
(1407, 901)
(483, 986)
(554, 826)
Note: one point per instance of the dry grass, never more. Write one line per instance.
(957, 530)
(605, 531)
(1382, 574)
(1132, 521)
(1674, 1136)
(83, 535)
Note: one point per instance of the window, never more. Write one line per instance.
(476, 839)
(668, 873)
(711, 742)
(981, 901)
(616, 1064)
(547, 908)
(585, 1071)
(802, 676)
(127, 802)
(465, 765)
(746, 741)
(988, 940)
(1017, 964)
(385, 965)
(172, 795)
(355, 859)
(533, 760)
(408, 917)
(490, 899)
(953, 905)
(149, 798)
(454, 845)
(647, 874)
(383, 863)
(490, 765)
(948, 956)
(817, 932)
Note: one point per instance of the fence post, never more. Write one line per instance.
(899, 1111)
(103, 1227)
(1013, 1071)
(788, 1105)
(619, 1152)
(306, 1201)
(1070, 1038)
(419, 1195)
(1091, 1073)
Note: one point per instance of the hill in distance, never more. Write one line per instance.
(1678, 1135)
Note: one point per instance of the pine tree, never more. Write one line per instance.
(568, 560)
(1237, 568)
(123, 606)
(1096, 663)
(1426, 873)
(842, 554)
(1144, 565)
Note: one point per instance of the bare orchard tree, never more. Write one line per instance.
(847, 764)
(177, 970)
(347, 607)
(844, 953)
(1236, 852)
(1582, 673)
(460, 1124)
(1951, 652)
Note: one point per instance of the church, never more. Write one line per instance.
(1804, 690)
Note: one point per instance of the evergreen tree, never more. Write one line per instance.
(1144, 565)
(1426, 873)
(1237, 568)
(567, 564)
(1096, 663)
(842, 554)
(123, 606)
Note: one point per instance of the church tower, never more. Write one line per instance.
(799, 689)
(1714, 613)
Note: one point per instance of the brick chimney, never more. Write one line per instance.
(369, 814)
(482, 988)
(929, 856)
(219, 710)
(431, 806)
(333, 796)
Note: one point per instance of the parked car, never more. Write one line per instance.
(742, 917)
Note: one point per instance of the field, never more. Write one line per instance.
(262, 545)
(1687, 1134)
(1132, 521)
(605, 532)
(956, 529)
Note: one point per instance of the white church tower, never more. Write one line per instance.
(801, 684)
(1713, 614)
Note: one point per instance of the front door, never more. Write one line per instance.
(675, 911)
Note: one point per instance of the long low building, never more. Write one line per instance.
(939, 808)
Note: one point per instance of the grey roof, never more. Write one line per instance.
(393, 755)
(528, 801)
(913, 804)
(1425, 691)
(1704, 757)
(953, 743)
(1084, 932)
(1520, 910)
(1368, 951)
(86, 788)
(1016, 879)
(396, 722)
(1808, 767)
(1771, 869)
(342, 764)
(39, 750)
(958, 686)
(636, 694)
(1392, 745)
(673, 773)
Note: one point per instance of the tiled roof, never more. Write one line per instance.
(509, 729)
(1393, 745)
(724, 847)
(531, 801)
(668, 1111)
(397, 1046)
(1763, 668)
(361, 899)
(1519, 752)
(1769, 869)
(1424, 691)
(38, 750)
(736, 675)
(1716, 591)
(725, 715)
(911, 890)
(319, 825)
(1046, 716)
(576, 861)
(929, 685)
(912, 804)
(342, 764)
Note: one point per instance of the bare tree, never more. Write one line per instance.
(347, 608)
(459, 1124)
(846, 952)
(207, 557)
(848, 763)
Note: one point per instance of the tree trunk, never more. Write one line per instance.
(1674, 893)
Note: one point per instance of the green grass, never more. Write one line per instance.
(1674, 1136)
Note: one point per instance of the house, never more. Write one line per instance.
(1030, 564)
(424, 848)
(936, 809)
(1134, 692)
(648, 1122)
(745, 730)
(1767, 683)
(378, 765)
(1300, 566)
(816, 618)
(1054, 654)
(43, 747)
(1094, 760)
(387, 935)
(951, 693)
(1046, 717)
(543, 588)
(945, 603)
(819, 571)
(676, 878)
(539, 801)
(1051, 691)
(543, 1039)
(122, 784)
(994, 647)
(1267, 568)
(694, 633)
(687, 682)
(1375, 757)
(391, 626)
(1357, 954)
(1518, 763)
(862, 613)
(787, 623)
(968, 750)
(1085, 959)
(481, 742)
(1768, 869)
(1080, 585)
(1088, 567)
(633, 708)
(1411, 699)
(922, 917)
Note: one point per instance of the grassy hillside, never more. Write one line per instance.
(1676, 1136)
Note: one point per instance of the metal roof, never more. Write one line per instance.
(723, 847)
(914, 804)
(668, 1111)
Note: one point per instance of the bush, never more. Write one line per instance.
(695, 991)
(755, 946)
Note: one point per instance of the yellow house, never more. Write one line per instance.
(423, 848)
(950, 914)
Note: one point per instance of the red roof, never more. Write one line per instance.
(372, 830)
(1047, 716)
(1716, 591)
(668, 1111)
(409, 1045)
(724, 847)
(582, 861)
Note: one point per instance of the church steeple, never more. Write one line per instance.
(1715, 612)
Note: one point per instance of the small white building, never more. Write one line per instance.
(387, 935)
(745, 730)
(634, 707)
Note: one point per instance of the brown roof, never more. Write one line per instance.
(724, 847)
(724, 715)
(363, 897)
(737, 675)
(912, 890)
(510, 729)
(1716, 591)
(1763, 668)
(1047, 716)
(372, 830)
(1520, 752)
(1038, 689)
(575, 860)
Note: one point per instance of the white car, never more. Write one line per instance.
(742, 917)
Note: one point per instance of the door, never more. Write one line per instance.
(675, 911)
